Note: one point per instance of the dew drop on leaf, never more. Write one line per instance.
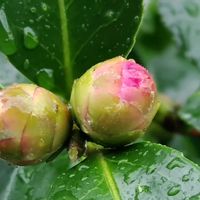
(176, 162)
(136, 18)
(185, 178)
(30, 38)
(7, 41)
(26, 63)
(141, 189)
(44, 6)
(151, 169)
(82, 167)
(33, 9)
(174, 190)
(23, 176)
(45, 78)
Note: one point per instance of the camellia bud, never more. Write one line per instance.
(34, 124)
(115, 101)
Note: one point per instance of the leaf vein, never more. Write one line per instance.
(109, 178)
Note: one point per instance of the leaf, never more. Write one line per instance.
(182, 18)
(21, 182)
(175, 75)
(141, 171)
(188, 145)
(8, 74)
(190, 112)
(54, 42)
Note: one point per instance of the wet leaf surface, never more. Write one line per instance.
(142, 171)
(53, 42)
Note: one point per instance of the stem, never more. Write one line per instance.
(66, 46)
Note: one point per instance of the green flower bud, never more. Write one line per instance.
(34, 124)
(114, 101)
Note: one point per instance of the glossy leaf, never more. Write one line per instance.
(34, 181)
(142, 171)
(54, 42)
(182, 18)
(190, 112)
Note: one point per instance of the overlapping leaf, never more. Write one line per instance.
(142, 171)
(53, 42)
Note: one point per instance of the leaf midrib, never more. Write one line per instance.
(66, 46)
(109, 178)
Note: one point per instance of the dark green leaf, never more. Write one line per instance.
(190, 112)
(53, 42)
(142, 171)
(23, 182)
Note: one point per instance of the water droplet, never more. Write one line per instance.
(24, 177)
(128, 39)
(31, 21)
(176, 162)
(7, 41)
(141, 189)
(47, 26)
(151, 169)
(136, 18)
(123, 161)
(163, 179)
(84, 178)
(83, 26)
(174, 190)
(26, 63)
(45, 77)
(71, 175)
(30, 156)
(44, 6)
(29, 193)
(30, 38)
(33, 9)
(82, 167)
(187, 177)
(127, 4)
(109, 13)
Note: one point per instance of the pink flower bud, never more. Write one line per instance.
(34, 123)
(115, 101)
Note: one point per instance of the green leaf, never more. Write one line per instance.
(141, 171)
(53, 42)
(8, 74)
(182, 19)
(188, 145)
(22, 182)
(190, 112)
(176, 75)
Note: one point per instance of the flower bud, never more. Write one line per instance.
(34, 124)
(114, 101)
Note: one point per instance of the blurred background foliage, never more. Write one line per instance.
(166, 45)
